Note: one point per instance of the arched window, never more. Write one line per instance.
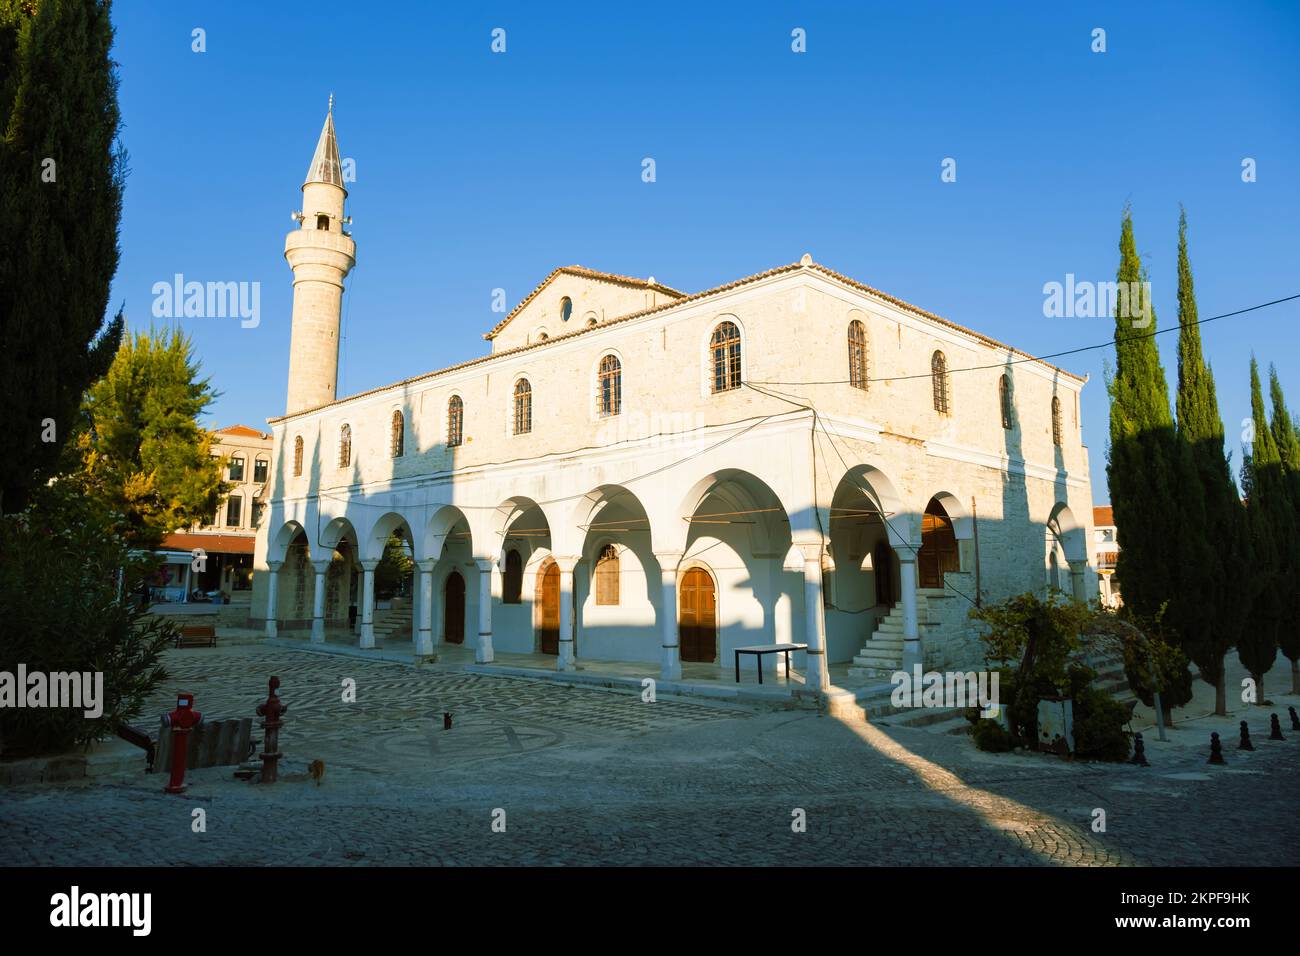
(566, 309)
(236, 468)
(1053, 572)
(513, 581)
(858, 354)
(455, 421)
(523, 407)
(234, 507)
(323, 222)
(609, 387)
(399, 435)
(261, 469)
(607, 575)
(1056, 421)
(724, 349)
(939, 382)
(1004, 399)
(345, 446)
(297, 457)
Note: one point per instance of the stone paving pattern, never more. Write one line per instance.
(589, 776)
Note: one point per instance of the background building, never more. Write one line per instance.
(1105, 553)
(228, 540)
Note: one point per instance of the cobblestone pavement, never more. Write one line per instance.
(585, 776)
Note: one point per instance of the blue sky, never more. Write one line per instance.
(477, 170)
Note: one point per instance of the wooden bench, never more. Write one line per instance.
(758, 650)
(197, 635)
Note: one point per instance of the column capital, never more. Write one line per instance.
(274, 565)
(322, 566)
(486, 564)
(566, 562)
(906, 555)
(1079, 564)
(427, 564)
(369, 564)
(811, 550)
(668, 560)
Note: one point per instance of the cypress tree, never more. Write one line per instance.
(1288, 448)
(1159, 512)
(1265, 489)
(1224, 578)
(61, 177)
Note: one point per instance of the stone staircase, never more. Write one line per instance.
(393, 624)
(882, 654)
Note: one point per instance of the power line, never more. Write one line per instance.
(1020, 361)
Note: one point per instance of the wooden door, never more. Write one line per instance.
(548, 586)
(697, 623)
(453, 609)
(938, 547)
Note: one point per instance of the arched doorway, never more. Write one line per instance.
(698, 621)
(548, 608)
(938, 546)
(882, 565)
(453, 609)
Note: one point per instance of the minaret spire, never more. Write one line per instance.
(321, 254)
(325, 165)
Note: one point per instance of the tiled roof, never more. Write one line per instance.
(684, 300)
(210, 543)
(586, 274)
(242, 431)
(1103, 517)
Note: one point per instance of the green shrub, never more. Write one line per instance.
(67, 596)
(989, 735)
(1099, 726)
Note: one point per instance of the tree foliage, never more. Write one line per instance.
(140, 449)
(1222, 583)
(1155, 493)
(62, 170)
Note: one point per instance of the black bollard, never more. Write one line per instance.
(1245, 738)
(1276, 727)
(1295, 720)
(446, 720)
(1216, 750)
(1139, 757)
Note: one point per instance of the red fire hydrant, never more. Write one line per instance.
(271, 711)
(181, 720)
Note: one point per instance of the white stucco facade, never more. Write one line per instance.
(776, 479)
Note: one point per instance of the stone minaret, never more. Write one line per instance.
(321, 255)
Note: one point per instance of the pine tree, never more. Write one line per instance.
(1265, 489)
(61, 176)
(1224, 578)
(1153, 485)
(1288, 448)
(141, 449)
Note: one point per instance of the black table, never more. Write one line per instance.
(758, 650)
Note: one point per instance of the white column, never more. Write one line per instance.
(814, 618)
(483, 651)
(272, 595)
(424, 630)
(368, 602)
(566, 659)
(318, 602)
(671, 651)
(907, 585)
(1078, 575)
